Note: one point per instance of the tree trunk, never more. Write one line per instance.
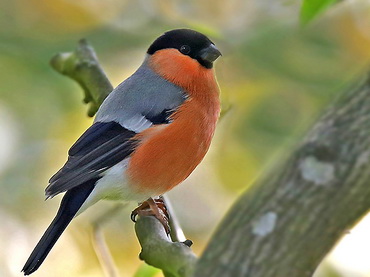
(290, 219)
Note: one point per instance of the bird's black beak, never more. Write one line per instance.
(210, 54)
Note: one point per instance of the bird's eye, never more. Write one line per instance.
(185, 49)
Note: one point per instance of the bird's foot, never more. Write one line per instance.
(153, 207)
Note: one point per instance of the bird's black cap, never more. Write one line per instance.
(188, 42)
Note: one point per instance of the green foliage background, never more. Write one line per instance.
(275, 77)
(312, 8)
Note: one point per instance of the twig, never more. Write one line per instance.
(100, 246)
(177, 234)
(82, 65)
(174, 258)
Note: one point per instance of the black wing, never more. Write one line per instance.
(102, 146)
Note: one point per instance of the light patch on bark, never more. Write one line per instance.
(265, 224)
(318, 172)
(318, 129)
(363, 159)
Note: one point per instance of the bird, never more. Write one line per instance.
(147, 137)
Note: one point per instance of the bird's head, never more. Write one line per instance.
(181, 55)
(187, 43)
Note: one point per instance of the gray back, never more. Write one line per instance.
(144, 94)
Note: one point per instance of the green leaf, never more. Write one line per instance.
(311, 8)
(146, 271)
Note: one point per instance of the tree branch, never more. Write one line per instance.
(175, 258)
(100, 246)
(176, 232)
(82, 65)
(290, 219)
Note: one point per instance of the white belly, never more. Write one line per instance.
(113, 186)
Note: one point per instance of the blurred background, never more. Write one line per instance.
(275, 77)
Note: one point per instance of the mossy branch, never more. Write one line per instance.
(82, 65)
(175, 258)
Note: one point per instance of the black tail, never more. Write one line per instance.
(71, 203)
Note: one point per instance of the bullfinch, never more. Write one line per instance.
(148, 135)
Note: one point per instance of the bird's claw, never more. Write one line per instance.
(153, 207)
(133, 216)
